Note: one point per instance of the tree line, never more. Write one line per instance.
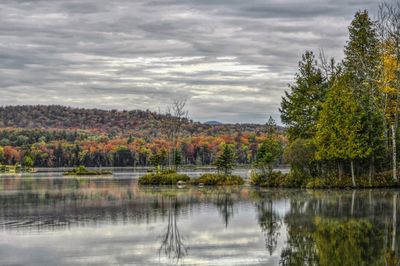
(342, 117)
(44, 148)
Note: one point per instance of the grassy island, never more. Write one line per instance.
(166, 177)
(225, 163)
(17, 168)
(171, 177)
(82, 170)
(218, 180)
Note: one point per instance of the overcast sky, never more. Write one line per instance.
(231, 59)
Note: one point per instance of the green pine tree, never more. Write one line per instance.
(362, 60)
(362, 56)
(301, 106)
(271, 126)
(268, 155)
(227, 159)
(340, 136)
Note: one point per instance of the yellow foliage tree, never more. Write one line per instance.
(388, 82)
(389, 87)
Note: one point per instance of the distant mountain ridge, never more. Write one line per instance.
(213, 122)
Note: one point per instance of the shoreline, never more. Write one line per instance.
(382, 179)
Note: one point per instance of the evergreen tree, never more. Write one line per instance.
(362, 55)
(301, 107)
(300, 154)
(178, 158)
(340, 134)
(227, 159)
(268, 155)
(271, 126)
(362, 60)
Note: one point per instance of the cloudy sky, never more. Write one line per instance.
(231, 59)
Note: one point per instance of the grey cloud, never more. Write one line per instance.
(232, 59)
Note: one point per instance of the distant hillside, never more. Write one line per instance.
(135, 122)
(61, 117)
(213, 122)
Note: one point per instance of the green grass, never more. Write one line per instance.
(17, 168)
(291, 180)
(168, 177)
(380, 180)
(277, 179)
(81, 170)
(218, 180)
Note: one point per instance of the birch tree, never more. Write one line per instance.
(389, 29)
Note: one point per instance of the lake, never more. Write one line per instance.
(46, 219)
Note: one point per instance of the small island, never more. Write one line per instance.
(82, 170)
(224, 163)
(17, 168)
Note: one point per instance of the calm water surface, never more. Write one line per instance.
(51, 220)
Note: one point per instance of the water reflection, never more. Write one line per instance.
(172, 243)
(114, 221)
(270, 223)
(224, 203)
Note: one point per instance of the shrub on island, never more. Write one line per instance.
(82, 170)
(17, 168)
(225, 163)
(278, 179)
(218, 180)
(166, 177)
(298, 180)
(380, 180)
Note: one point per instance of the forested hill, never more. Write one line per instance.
(135, 122)
(56, 136)
(62, 117)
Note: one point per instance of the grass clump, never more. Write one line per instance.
(380, 180)
(166, 177)
(218, 180)
(82, 170)
(299, 180)
(17, 168)
(278, 179)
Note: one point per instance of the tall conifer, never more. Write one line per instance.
(301, 106)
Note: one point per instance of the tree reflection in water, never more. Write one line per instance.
(390, 243)
(225, 204)
(345, 230)
(299, 227)
(270, 223)
(172, 243)
(300, 248)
